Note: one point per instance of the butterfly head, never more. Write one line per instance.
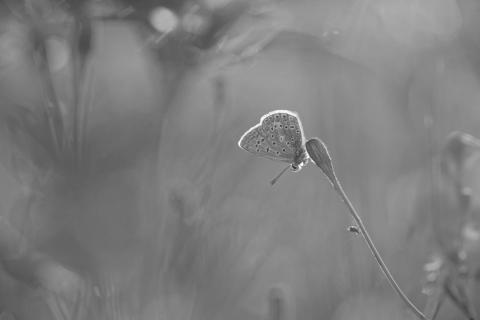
(301, 159)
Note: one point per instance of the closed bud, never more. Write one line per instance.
(318, 152)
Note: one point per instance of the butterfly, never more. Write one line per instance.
(279, 137)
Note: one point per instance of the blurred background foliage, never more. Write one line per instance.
(123, 193)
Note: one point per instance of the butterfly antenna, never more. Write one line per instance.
(279, 175)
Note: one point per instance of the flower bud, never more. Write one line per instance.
(318, 152)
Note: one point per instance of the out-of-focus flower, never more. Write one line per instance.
(195, 21)
(163, 20)
(454, 225)
(59, 280)
(222, 31)
(452, 198)
(460, 146)
(471, 247)
(58, 53)
(432, 270)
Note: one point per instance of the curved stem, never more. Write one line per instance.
(338, 187)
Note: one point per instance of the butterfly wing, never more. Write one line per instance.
(286, 132)
(256, 141)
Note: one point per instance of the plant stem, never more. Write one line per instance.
(456, 301)
(434, 302)
(338, 188)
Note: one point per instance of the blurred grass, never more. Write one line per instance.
(172, 220)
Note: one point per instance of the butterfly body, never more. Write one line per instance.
(279, 137)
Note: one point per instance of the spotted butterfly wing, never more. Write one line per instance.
(286, 132)
(256, 141)
(278, 136)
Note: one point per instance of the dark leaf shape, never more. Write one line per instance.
(84, 37)
(27, 135)
(21, 119)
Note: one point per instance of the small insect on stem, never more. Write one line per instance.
(353, 229)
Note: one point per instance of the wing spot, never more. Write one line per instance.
(268, 149)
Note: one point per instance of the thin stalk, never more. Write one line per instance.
(77, 86)
(436, 308)
(338, 187)
(434, 302)
(52, 105)
(76, 81)
(318, 152)
(462, 307)
(81, 47)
